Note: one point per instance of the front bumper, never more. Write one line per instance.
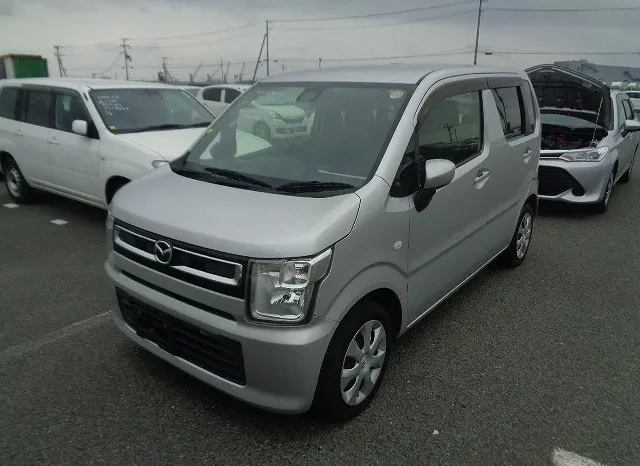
(574, 182)
(283, 130)
(281, 364)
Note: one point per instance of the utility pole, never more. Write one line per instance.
(61, 70)
(475, 53)
(319, 62)
(127, 57)
(267, 36)
(255, 71)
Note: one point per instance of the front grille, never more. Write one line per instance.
(553, 181)
(202, 267)
(293, 120)
(219, 355)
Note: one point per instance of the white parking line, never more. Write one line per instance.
(29, 347)
(562, 457)
(11, 205)
(59, 221)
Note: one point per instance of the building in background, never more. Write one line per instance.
(605, 73)
(23, 66)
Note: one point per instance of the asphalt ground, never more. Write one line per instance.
(518, 363)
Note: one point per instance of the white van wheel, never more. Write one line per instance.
(18, 188)
(517, 251)
(355, 362)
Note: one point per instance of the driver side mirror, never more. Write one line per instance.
(631, 126)
(438, 173)
(80, 127)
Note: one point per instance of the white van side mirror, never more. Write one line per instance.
(80, 127)
(438, 173)
(631, 126)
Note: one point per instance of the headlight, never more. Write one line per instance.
(275, 115)
(281, 291)
(158, 163)
(585, 155)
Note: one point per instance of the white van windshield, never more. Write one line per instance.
(299, 137)
(149, 109)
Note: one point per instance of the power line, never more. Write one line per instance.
(110, 67)
(564, 10)
(546, 52)
(200, 34)
(372, 15)
(191, 44)
(420, 20)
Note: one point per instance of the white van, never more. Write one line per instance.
(84, 139)
(283, 271)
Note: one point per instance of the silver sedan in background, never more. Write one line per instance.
(589, 137)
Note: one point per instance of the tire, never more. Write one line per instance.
(602, 206)
(329, 401)
(16, 184)
(261, 130)
(517, 251)
(627, 176)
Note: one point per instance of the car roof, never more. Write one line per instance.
(392, 73)
(90, 83)
(239, 86)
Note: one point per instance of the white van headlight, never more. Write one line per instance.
(585, 155)
(281, 291)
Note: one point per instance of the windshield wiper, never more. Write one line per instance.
(158, 127)
(237, 176)
(313, 186)
(201, 124)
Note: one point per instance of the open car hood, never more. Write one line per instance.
(563, 91)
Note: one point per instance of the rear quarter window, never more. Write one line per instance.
(510, 105)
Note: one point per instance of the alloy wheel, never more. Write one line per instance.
(524, 235)
(363, 362)
(607, 193)
(14, 181)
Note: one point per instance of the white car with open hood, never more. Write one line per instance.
(589, 137)
(84, 139)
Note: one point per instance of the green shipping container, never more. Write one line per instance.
(23, 66)
(30, 67)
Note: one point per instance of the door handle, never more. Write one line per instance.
(481, 177)
(527, 154)
(53, 140)
(19, 132)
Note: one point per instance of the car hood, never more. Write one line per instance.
(564, 91)
(232, 220)
(170, 144)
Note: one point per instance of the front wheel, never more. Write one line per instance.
(355, 362)
(602, 206)
(627, 176)
(515, 254)
(17, 185)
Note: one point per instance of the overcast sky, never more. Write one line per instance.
(32, 26)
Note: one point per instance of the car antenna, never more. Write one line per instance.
(596, 127)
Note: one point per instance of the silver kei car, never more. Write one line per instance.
(282, 272)
(589, 137)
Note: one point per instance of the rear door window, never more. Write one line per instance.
(212, 94)
(511, 110)
(38, 108)
(9, 102)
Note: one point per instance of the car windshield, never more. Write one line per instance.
(149, 109)
(311, 137)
